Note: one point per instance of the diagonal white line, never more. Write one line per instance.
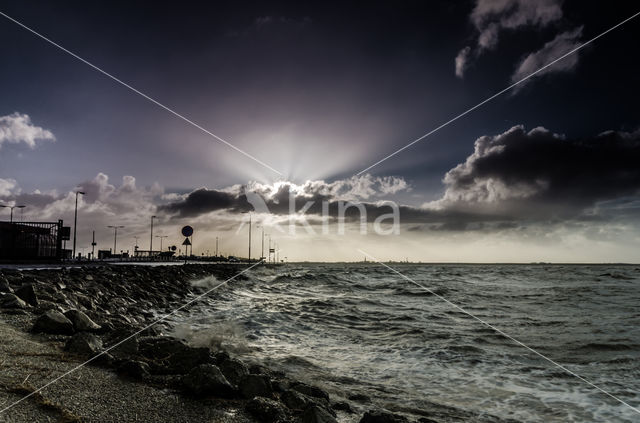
(157, 103)
(128, 337)
(489, 325)
(497, 94)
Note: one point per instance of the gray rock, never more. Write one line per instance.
(233, 370)
(343, 406)
(134, 368)
(45, 305)
(311, 391)
(265, 410)
(28, 294)
(84, 343)
(4, 286)
(53, 322)
(12, 301)
(255, 386)
(81, 322)
(173, 356)
(207, 379)
(295, 400)
(379, 416)
(315, 414)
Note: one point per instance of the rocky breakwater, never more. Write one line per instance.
(97, 311)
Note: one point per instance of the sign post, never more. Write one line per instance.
(187, 231)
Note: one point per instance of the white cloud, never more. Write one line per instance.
(354, 188)
(491, 17)
(462, 61)
(561, 44)
(7, 187)
(17, 128)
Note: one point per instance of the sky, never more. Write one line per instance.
(318, 92)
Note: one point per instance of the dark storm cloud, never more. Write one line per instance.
(204, 200)
(490, 18)
(318, 198)
(541, 173)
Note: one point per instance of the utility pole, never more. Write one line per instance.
(269, 258)
(161, 236)
(151, 242)
(249, 237)
(115, 236)
(262, 252)
(75, 223)
(216, 246)
(93, 246)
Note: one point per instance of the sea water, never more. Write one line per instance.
(361, 328)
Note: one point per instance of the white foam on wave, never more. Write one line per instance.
(227, 336)
(206, 282)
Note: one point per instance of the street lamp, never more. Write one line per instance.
(75, 224)
(151, 242)
(115, 235)
(12, 207)
(161, 236)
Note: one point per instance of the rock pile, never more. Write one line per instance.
(104, 313)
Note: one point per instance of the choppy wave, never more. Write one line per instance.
(360, 328)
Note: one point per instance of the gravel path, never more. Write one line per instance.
(90, 394)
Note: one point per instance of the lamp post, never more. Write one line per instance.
(75, 224)
(151, 242)
(269, 259)
(115, 235)
(161, 236)
(12, 207)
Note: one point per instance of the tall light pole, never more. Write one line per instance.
(115, 235)
(93, 246)
(151, 242)
(12, 207)
(75, 224)
(269, 259)
(216, 246)
(262, 252)
(249, 237)
(161, 236)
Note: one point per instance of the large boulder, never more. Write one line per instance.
(266, 410)
(81, 322)
(4, 286)
(232, 369)
(173, 356)
(12, 301)
(294, 400)
(84, 343)
(207, 379)
(315, 414)
(311, 391)
(256, 386)
(343, 406)
(28, 294)
(379, 416)
(53, 322)
(134, 369)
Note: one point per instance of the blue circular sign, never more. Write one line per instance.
(187, 231)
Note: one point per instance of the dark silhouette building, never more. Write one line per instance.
(25, 241)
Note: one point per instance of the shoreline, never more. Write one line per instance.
(57, 318)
